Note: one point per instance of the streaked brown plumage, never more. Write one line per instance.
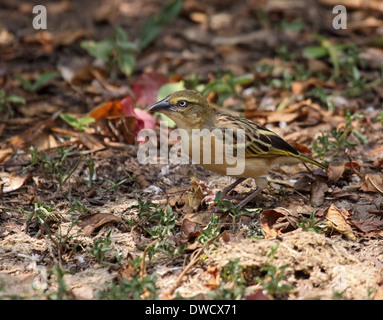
(261, 148)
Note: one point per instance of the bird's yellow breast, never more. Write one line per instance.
(208, 149)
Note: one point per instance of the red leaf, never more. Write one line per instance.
(147, 86)
(143, 119)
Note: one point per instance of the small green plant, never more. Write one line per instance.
(356, 83)
(58, 166)
(285, 54)
(135, 263)
(6, 102)
(136, 288)
(78, 123)
(164, 228)
(62, 169)
(165, 222)
(119, 51)
(60, 239)
(40, 81)
(232, 210)
(225, 85)
(42, 212)
(100, 247)
(324, 49)
(165, 246)
(253, 230)
(272, 281)
(153, 27)
(312, 224)
(145, 208)
(338, 295)
(35, 158)
(285, 82)
(295, 25)
(338, 139)
(322, 96)
(211, 231)
(232, 284)
(114, 51)
(62, 292)
(78, 206)
(115, 185)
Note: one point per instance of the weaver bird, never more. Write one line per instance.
(258, 150)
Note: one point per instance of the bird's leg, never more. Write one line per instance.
(261, 184)
(225, 192)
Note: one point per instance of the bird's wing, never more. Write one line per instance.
(255, 140)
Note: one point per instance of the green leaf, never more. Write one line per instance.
(79, 123)
(69, 119)
(295, 25)
(360, 136)
(168, 88)
(152, 28)
(121, 35)
(15, 99)
(24, 82)
(85, 121)
(43, 79)
(315, 52)
(100, 50)
(122, 42)
(126, 62)
(40, 81)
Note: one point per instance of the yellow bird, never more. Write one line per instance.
(227, 144)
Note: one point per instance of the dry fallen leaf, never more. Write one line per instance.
(335, 172)
(215, 277)
(339, 220)
(317, 192)
(372, 183)
(374, 223)
(300, 87)
(190, 229)
(196, 195)
(270, 233)
(127, 271)
(278, 219)
(13, 181)
(92, 222)
(5, 154)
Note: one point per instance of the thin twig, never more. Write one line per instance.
(352, 168)
(193, 260)
(142, 266)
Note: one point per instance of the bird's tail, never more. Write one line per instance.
(304, 158)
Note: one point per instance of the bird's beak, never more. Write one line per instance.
(161, 106)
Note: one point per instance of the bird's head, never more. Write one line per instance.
(187, 108)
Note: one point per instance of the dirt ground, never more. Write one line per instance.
(344, 261)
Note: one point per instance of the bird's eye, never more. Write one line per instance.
(182, 103)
